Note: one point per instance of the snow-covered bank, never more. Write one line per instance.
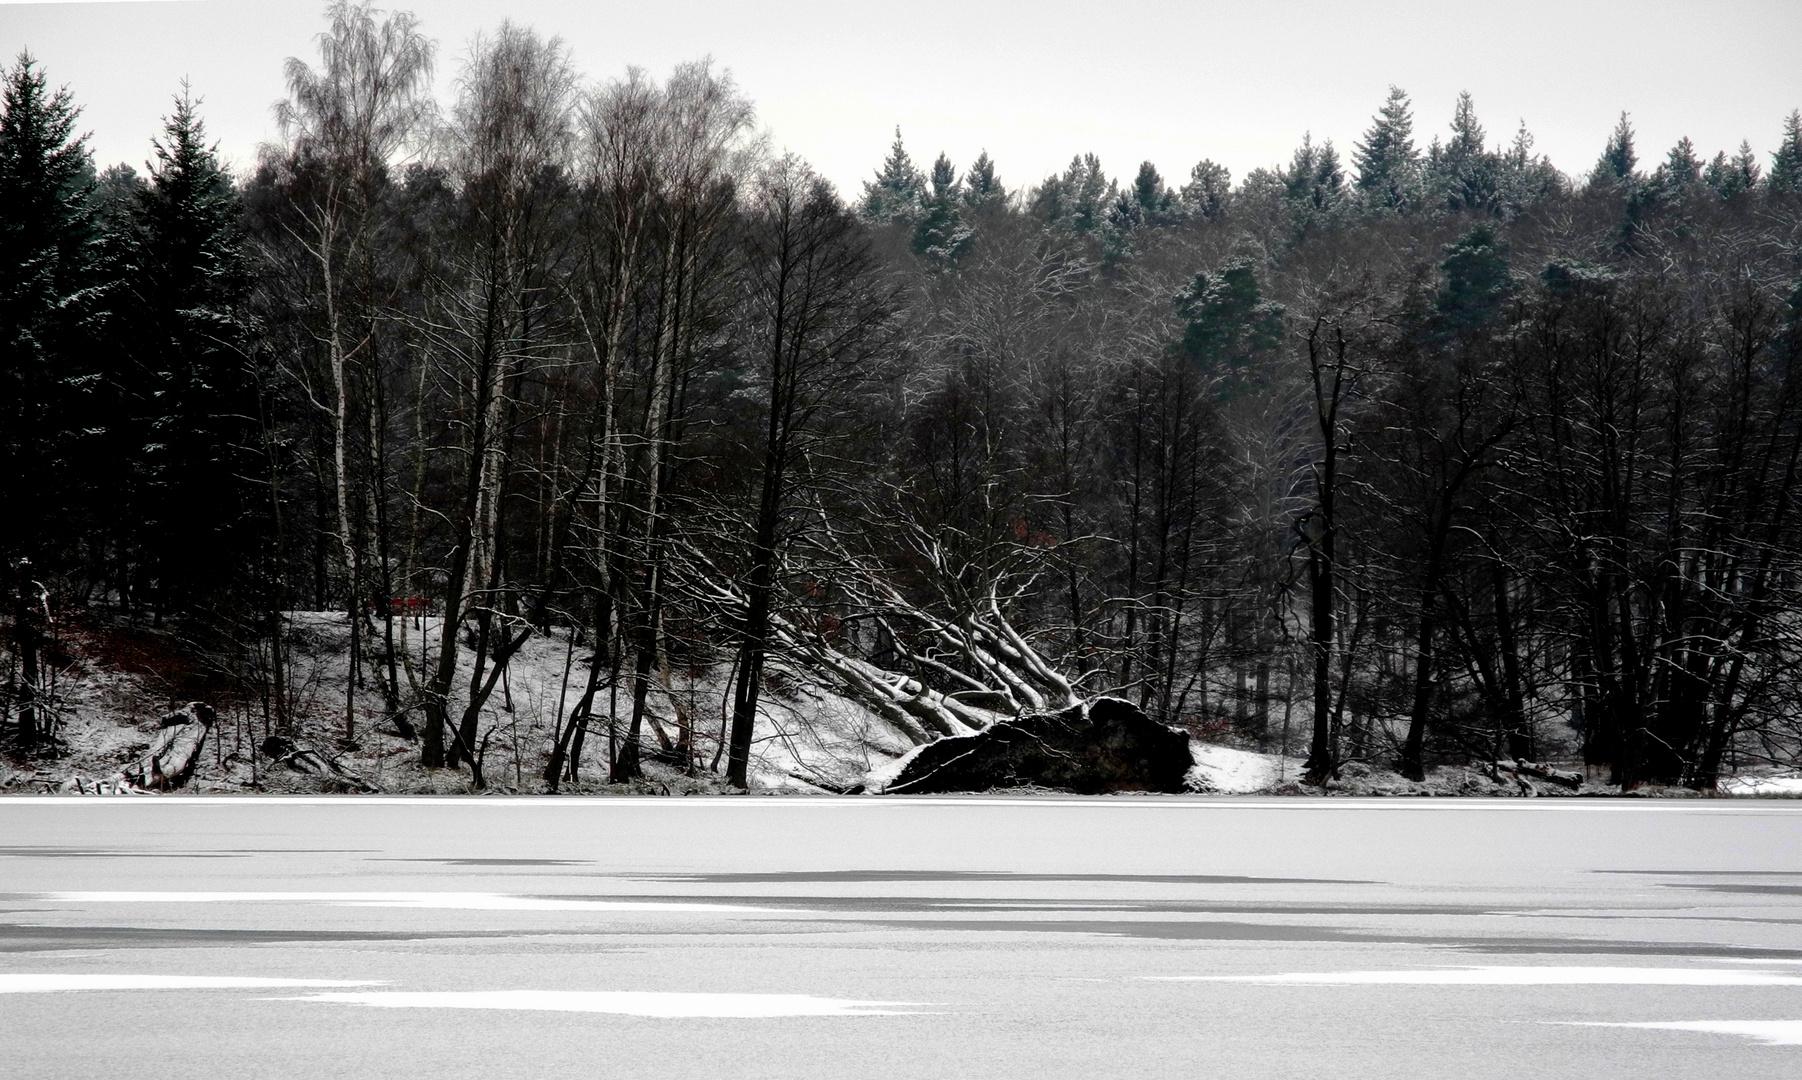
(1226, 771)
(121, 679)
(1790, 785)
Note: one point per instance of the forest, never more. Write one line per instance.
(1427, 450)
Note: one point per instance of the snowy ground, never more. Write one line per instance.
(1225, 771)
(119, 681)
(1763, 785)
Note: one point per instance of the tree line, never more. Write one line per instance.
(1442, 455)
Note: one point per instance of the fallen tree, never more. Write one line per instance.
(167, 765)
(1103, 746)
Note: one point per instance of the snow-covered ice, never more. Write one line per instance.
(24, 983)
(459, 901)
(1517, 975)
(622, 1002)
(1769, 1032)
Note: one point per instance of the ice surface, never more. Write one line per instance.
(466, 901)
(48, 984)
(1518, 975)
(1769, 1032)
(623, 1002)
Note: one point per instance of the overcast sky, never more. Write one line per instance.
(1033, 83)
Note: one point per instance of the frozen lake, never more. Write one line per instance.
(929, 938)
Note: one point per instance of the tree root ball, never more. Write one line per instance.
(1098, 747)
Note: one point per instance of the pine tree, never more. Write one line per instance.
(1388, 164)
(1463, 176)
(1090, 192)
(1730, 176)
(1208, 192)
(1615, 167)
(1682, 168)
(1079, 199)
(981, 188)
(1477, 282)
(48, 249)
(192, 392)
(941, 233)
(1315, 184)
(1227, 322)
(1678, 177)
(1786, 163)
(898, 192)
(1155, 202)
(944, 179)
(1524, 178)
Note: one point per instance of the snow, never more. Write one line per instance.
(809, 739)
(51, 984)
(1226, 771)
(1762, 785)
(1768, 1032)
(878, 779)
(621, 1002)
(1517, 975)
(459, 901)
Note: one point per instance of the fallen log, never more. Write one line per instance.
(113, 785)
(168, 763)
(312, 762)
(1522, 767)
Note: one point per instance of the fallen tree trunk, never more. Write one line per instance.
(311, 762)
(166, 766)
(1522, 767)
(170, 761)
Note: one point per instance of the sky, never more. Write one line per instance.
(1172, 81)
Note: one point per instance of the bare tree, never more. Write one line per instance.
(508, 141)
(815, 309)
(344, 123)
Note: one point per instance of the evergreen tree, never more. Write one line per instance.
(944, 179)
(1208, 192)
(1227, 322)
(981, 188)
(115, 197)
(1477, 283)
(191, 399)
(1155, 202)
(1315, 185)
(1388, 164)
(1524, 178)
(47, 271)
(1615, 167)
(1729, 176)
(1079, 199)
(1678, 177)
(941, 233)
(899, 191)
(1681, 168)
(1786, 163)
(1462, 175)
